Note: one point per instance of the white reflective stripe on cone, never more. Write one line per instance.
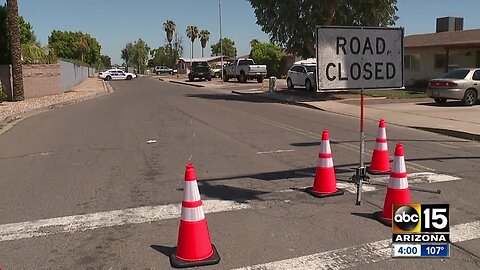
(398, 183)
(399, 164)
(382, 133)
(192, 214)
(381, 146)
(325, 147)
(190, 191)
(325, 162)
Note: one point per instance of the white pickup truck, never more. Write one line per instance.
(244, 69)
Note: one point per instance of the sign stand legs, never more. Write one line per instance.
(361, 172)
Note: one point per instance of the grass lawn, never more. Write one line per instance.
(407, 93)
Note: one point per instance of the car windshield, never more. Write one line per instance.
(311, 68)
(456, 74)
(200, 64)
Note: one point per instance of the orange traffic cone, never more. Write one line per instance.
(194, 247)
(325, 183)
(380, 163)
(397, 190)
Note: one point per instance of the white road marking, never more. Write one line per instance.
(447, 145)
(424, 178)
(348, 257)
(352, 188)
(69, 224)
(413, 178)
(276, 151)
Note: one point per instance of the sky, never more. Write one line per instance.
(115, 23)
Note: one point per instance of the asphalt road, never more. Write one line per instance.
(93, 157)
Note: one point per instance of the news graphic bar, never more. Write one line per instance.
(421, 250)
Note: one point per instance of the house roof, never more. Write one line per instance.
(454, 39)
(206, 59)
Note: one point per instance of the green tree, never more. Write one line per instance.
(15, 49)
(75, 46)
(140, 55)
(127, 54)
(228, 48)
(27, 35)
(291, 23)
(254, 42)
(159, 57)
(36, 54)
(204, 38)
(106, 61)
(192, 34)
(268, 54)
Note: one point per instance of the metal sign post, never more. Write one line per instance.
(359, 58)
(361, 173)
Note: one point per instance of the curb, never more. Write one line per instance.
(189, 84)
(10, 121)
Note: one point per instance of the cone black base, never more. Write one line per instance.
(310, 191)
(369, 171)
(179, 263)
(378, 216)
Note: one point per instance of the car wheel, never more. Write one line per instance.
(129, 77)
(158, 73)
(440, 101)
(290, 84)
(260, 79)
(225, 77)
(308, 85)
(209, 78)
(190, 77)
(470, 97)
(108, 78)
(242, 78)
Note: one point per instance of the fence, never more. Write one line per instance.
(43, 80)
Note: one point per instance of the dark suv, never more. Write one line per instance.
(200, 70)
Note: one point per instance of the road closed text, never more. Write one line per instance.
(359, 57)
(355, 71)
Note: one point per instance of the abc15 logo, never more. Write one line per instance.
(420, 218)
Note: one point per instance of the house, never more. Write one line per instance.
(428, 56)
(183, 64)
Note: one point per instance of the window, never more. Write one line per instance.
(457, 74)
(412, 61)
(476, 75)
(440, 60)
(245, 62)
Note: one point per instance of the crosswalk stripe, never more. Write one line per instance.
(69, 224)
(348, 257)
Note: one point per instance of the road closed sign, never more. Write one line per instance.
(359, 58)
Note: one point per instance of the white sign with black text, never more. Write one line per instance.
(359, 57)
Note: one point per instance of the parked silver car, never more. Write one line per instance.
(459, 84)
(302, 75)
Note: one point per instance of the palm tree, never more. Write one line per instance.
(192, 34)
(82, 45)
(204, 37)
(169, 27)
(15, 49)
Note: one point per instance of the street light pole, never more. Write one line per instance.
(221, 41)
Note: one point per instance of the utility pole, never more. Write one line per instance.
(221, 39)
